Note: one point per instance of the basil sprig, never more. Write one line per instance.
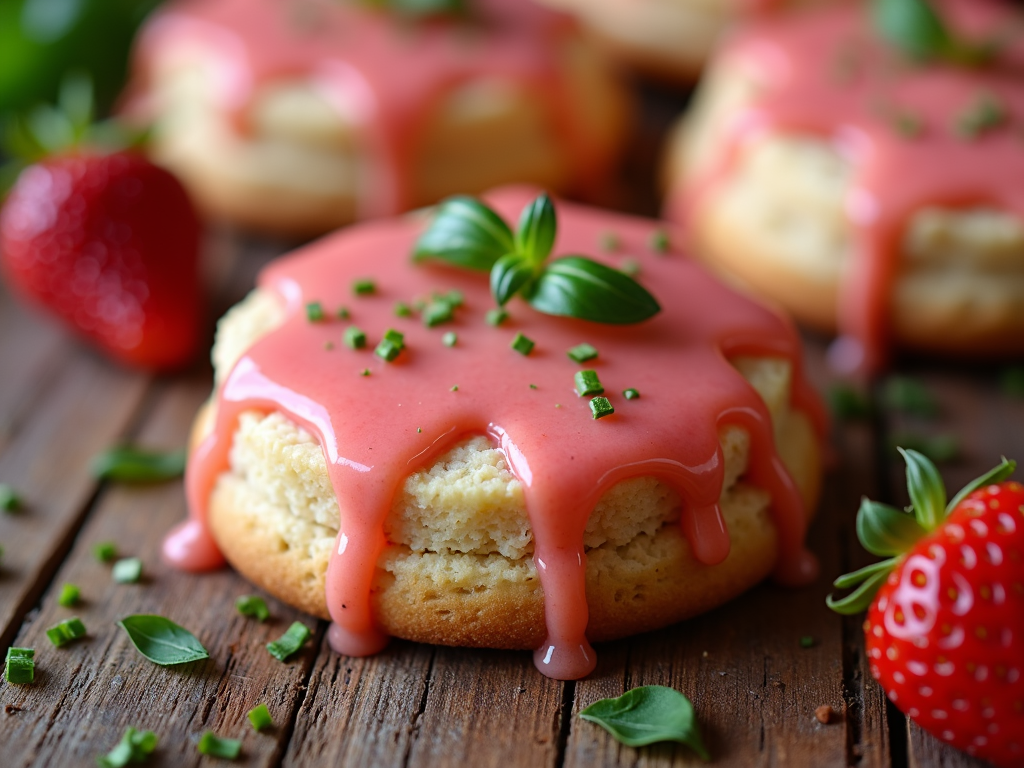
(648, 715)
(467, 233)
(917, 29)
(161, 640)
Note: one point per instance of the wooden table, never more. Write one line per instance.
(755, 687)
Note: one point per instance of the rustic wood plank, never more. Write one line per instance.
(84, 408)
(87, 693)
(986, 423)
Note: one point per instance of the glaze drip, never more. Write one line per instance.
(828, 74)
(375, 430)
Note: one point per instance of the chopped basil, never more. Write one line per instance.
(66, 631)
(609, 241)
(985, 113)
(161, 640)
(601, 407)
(132, 465)
(437, 312)
(588, 383)
(658, 241)
(20, 667)
(315, 312)
(402, 309)
(648, 715)
(105, 551)
(807, 642)
(522, 344)
(260, 718)
(848, 403)
(454, 297)
(128, 570)
(343, 313)
(582, 352)
(454, 388)
(908, 395)
(630, 266)
(390, 346)
(533, 386)
(450, 339)
(364, 372)
(69, 596)
(354, 338)
(496, 317)
(252, 605)
(215, 746)
(468, 234)
(134, 747)
(290, 642)
(364, 287)
(10, 501)
(630, 394)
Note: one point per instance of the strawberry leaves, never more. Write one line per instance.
(887, 531)
(468, 234)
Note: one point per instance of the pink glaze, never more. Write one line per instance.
(369, 426)
(385, 75)
(828, 74)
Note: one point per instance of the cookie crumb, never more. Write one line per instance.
(823, 714)
(10, 709)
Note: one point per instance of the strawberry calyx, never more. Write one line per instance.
(886, 531)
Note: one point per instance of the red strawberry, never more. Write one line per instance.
(109, 243)
(945, 632)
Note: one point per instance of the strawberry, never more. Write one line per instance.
(109, 243)
(945, 627)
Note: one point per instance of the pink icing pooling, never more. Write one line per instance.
(828, 74)
(376, 429)
(385, 75)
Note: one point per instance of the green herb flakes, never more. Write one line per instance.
(135, 747)
(496, 317)
(581, 353)
(260, 718)
(364, 287)
(630, 394)
(450, 339)
(985, 113)
(1011, 382)
(134, 465)
(105, 551)
(254, 606)
(20, 667)
(609, 241)
(848, 403)
(648, 715)
(910, 396)
(354, 338)
(807, 642)
(522, 344)
(213, 745)
(69, 596)
(66, 631)
(128, 570)
(390, 346)
(315, 312)
(601, 407)
(402, 309)
(588, 383)
(659, 241)
(10, 501)
(437, 312)
(290, 642)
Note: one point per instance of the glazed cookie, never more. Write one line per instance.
(667, 39)
(297, 116)
(865, 192)
(463, 492)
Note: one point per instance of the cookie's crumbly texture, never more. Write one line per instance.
(777, 226)
(297, 170)
(458, 569)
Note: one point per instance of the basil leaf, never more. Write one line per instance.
(466, 233)
(647, 715)
(161, 640)
(885, 530)
(536, 232)
(510, 273)
(131, 465)
(927, 492)
(913, 26)
(575, 286)
(995, 475)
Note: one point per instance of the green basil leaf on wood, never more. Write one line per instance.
(466, 233)
(575, 286)
(161, 640)
(885, 530)
(648, 715)
(510, 273)
(535, 235)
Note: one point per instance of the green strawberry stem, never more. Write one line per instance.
(884, 530)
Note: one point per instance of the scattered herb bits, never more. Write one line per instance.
(454, 388)
(601, 407)
(354, 338)
(437, 312)
(522, 344)
(630, 394)
(609, 241)
(582, 352)
(213, 745)
(161, 640)
(986, 113)
(364, 287)
(69, 596)
(630, 267)
(105, 551)
(260, 718)
(128, 570)
(454, 298)
(1011, 382)
(807, 642)
(290, 642)
(648, 715)
(390, 346)
(450, 339)
(10, 501)
(66, 631)
(342, 313)
(907, 395)
(848, 403)
(587, 383)
(496, 317)
(315, 312)
(364, 372)
(133, 465)
(658, 241)
(134, 747)
(20, 666)
(402, 309)
(254, 606)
